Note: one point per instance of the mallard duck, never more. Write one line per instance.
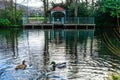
(21, 66)
(58, 65)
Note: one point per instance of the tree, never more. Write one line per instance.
(113, 8)
(76, 8)
(10, 12)
(86, 3)
(69, 1)
(107, 12)
(117, 13)
(45, 4)
(15, 12)
(93, 5)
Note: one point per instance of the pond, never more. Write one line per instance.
(85, 54)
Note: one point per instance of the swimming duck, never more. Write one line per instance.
(21, 66)
(58, 65)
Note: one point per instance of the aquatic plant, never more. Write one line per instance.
(115, 76)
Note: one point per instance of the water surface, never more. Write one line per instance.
(86, 56)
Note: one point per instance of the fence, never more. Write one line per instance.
(80, 20)
(63, 20)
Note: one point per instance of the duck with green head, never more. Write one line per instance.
(58, 65)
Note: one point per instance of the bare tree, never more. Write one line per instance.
(86, 1)
(45, 4)
(69, 1)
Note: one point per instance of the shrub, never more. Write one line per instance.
(5, 22)
(116, 77)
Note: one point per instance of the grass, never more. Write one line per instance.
(41, 19)
(36, 18)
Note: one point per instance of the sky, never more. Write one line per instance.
(35, 3)
(38, 3)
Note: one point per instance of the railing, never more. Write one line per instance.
(67, 20)
(80, 20)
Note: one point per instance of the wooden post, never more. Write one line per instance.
(52, 26)
(32, 26)
(42, 26)
(78, 20)
(76, 26)
(86, 26)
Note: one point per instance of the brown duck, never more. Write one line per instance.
(21, 66)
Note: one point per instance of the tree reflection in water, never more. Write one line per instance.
(85, 54)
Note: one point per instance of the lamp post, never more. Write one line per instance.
(37, 17)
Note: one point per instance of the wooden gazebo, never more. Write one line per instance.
(58, 15)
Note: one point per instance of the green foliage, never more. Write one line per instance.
(116, 77)
(106, 12)
(110, 6)
(104, 19)
(19, 15)
(5, 22)
(12, 15)
(83, 11)
(70, 10)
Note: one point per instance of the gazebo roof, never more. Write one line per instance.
(58, 8)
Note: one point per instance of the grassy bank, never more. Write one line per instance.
(37, 18)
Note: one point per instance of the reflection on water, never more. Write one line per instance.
(85, 54)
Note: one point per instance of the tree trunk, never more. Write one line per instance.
(92, 6)
(5, 3)
(12, 13)
(45, 10)
(86, 3)
(15, 12)
(118, 24)
(47, 7)
(81, 1)
(71, 1)
(76, 8)
(67, 1)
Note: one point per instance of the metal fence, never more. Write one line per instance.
(63, 20)
(80, 20)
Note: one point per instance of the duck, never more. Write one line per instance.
(21, 66)
(58, 65)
